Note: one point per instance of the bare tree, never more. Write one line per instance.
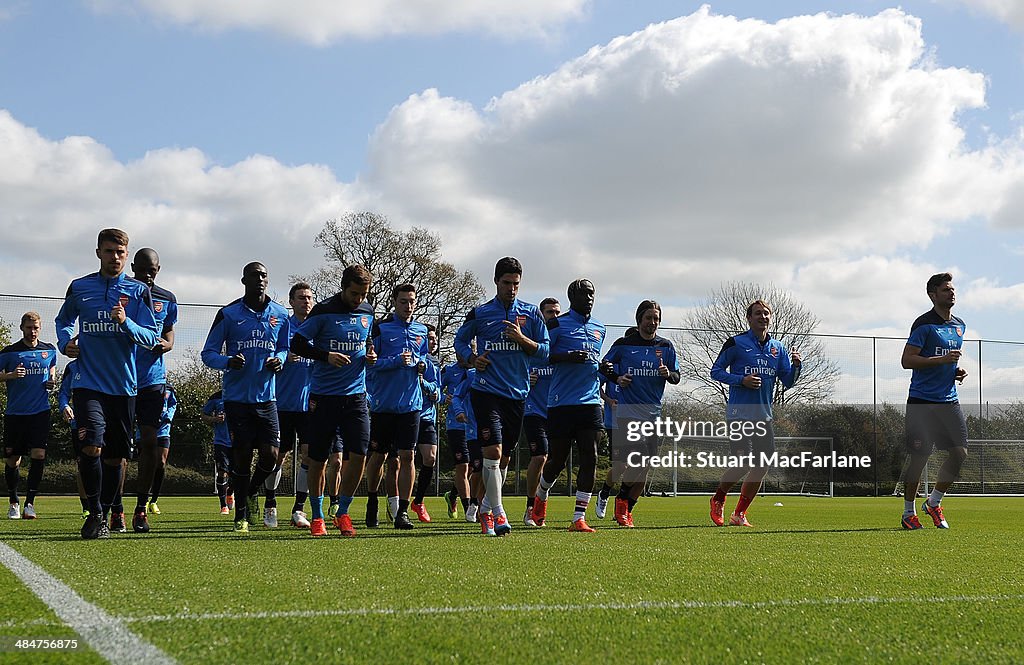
(724, 314)
(443, 294)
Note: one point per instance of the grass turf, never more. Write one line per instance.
(817, 580)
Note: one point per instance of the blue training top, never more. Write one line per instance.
(258, 336)
(293, 380)
(107, 350)
(743, 355)
(151, 366)
(396, 385)
(334, 326)
(641, 359)
(935, 337)
(28, 395)
(575, 383)
(508, 375)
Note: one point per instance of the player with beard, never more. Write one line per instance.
(640, 365)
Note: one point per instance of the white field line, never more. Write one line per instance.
(570, 607)
(107, 634)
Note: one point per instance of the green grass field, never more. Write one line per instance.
(817, 580)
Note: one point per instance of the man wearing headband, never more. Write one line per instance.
(574, 400)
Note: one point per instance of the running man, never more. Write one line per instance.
(934, 418)
(293, 413)
(213, 415)
(574, 401)
(401, 344)
(426, 441)
(29, 368)
(149, 405)
(455, 432)
(115, 317)
(334, 336)
(750, 364)
(511, 334)
(535, 418)
(248, 341)
(639, 365)
(67, 411)
(163, 446)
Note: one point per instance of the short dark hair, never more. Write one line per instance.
(750, 307)
(112, 235)
(431, 327)
(298, 286)
(937, 280)
(402, 288)
(631, 331)
(507, 265)
(356, 274)
(30, 316)
(547, 301)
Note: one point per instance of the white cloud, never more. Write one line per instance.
(702, 149)
(1010, 12)
(323, 21)
(206, 220)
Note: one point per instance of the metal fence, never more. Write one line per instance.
(869, 377)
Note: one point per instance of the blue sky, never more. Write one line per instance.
(844, 158)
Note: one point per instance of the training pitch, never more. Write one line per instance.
(816, 580)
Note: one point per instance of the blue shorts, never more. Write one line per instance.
(498, 419)
(294, 429)
(565, 421)
(23, 433)
(105, 421)
(457, 446)
(252, 425)
(536, 428)
(391, 433)
(331, 415)
(149, 405)
(222, 458)
(428, 433)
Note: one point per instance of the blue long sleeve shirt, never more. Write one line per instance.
(508, 375)
(641, 360)
(334, 326)
(258, 336)
(151, 367)
(745, 355)
(107, 350)
(396, 385)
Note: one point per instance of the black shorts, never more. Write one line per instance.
(476, 456)
(565, 421)
(149, 405)
(23, 433)
(625, 439)
(457, 446)
(761, 439)
(391, 433)
(222, 458)
(536, 429)
(934, 425)
(427, 435)
(498, 419)
(330, 415)
(105, 421)
(294, 428)
(252, 425)
(163, 442)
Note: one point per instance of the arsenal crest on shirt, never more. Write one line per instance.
(123, 300)
(521, 320)
(775, 351)
(364, 321)
(158, 306)
(273, 321)
(45, 354)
